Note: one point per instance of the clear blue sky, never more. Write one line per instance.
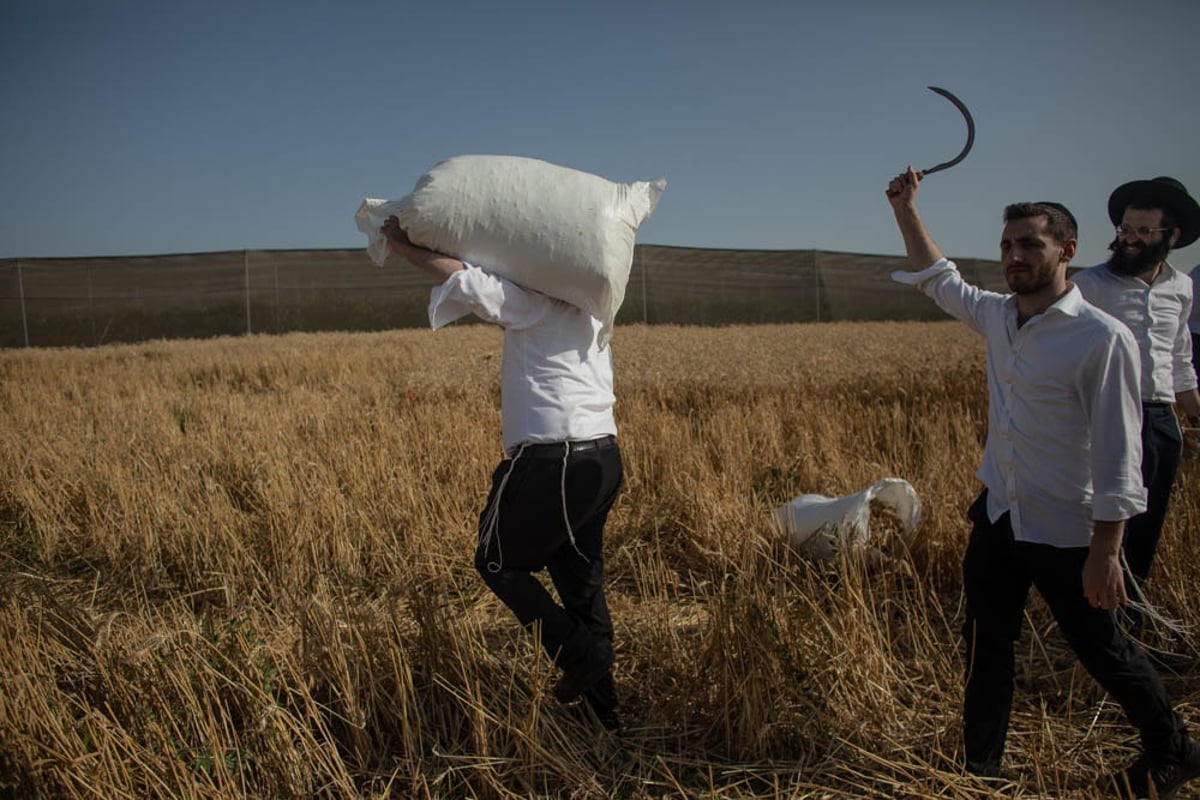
(154, 126)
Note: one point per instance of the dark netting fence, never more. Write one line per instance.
(49, 302)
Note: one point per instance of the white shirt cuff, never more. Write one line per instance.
(917, 278)
(446, 303)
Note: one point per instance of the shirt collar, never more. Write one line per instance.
(1163, 274)
(1069, 304)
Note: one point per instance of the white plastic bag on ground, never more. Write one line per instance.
(556, 230)
(820, 526)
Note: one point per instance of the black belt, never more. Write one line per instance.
(555, 449)
(1155, 404)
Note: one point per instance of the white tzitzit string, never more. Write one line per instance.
(490, 525)
(1149, 611)
(563, 492)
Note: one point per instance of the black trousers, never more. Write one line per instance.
(997, 575)
(530, 534)
(1162, 447)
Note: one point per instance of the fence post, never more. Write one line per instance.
(91, 305)
(246, 273)
(817, 283)
(642, 268)
(21, 294)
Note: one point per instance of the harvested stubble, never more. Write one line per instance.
(241, 568)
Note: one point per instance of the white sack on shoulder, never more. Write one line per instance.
(556, 230)
(820, 526)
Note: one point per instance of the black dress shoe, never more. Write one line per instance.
(586, 712)
(578, 678)
(1134, 781)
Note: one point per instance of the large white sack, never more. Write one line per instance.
(820, 526)
(556, 230)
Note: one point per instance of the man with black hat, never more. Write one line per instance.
(1154, 300)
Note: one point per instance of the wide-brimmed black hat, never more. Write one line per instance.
(1161, 192)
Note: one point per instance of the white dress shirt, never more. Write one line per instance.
(1157, 314)
(1064, 422)
(556, 383)
(1194, 319)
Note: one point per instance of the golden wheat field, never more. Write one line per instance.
(241, 568)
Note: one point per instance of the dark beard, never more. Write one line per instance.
(1132, 265)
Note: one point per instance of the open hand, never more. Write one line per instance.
(1104, 581)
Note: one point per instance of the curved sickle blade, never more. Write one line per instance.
(970, 134)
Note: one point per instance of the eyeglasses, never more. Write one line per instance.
(1142, 232)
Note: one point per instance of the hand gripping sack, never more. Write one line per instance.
(556, 230)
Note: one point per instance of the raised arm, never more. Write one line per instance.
(902, 194)
(435, 265)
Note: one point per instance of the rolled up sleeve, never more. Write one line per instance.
(490, 297)
(942, 282)
(1111, 389)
